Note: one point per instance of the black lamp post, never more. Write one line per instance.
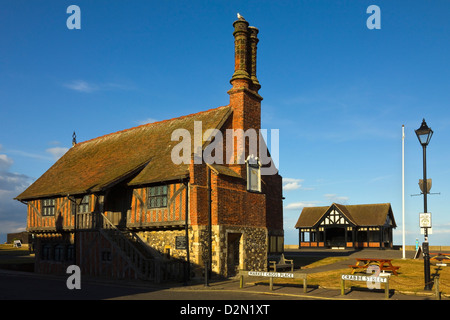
(424, 134)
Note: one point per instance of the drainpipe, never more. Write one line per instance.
(186, 228)
(209, 262)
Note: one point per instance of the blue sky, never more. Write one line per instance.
(338, 92)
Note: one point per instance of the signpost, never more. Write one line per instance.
(383, 278)
(272, 275)
(425, 220)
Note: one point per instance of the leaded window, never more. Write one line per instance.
(157, 197)
(48, 207)
(84, 205)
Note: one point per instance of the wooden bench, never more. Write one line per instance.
(383, 264)
(282, 263)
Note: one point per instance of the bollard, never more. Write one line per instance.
(342, 287)
(436, 287)
(304, 285)
(241, 281)
(271, 283)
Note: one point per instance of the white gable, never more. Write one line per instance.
(334, 217)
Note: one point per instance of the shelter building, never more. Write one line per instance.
(346, 226)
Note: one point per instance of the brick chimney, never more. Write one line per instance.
(244, 97)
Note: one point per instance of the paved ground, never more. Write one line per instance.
(15, 285)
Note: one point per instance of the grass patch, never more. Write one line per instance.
(410, 275)
(313, 262)
(15, 256)
(8, 249)
(324, 262)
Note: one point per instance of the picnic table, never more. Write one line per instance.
(440, 257)
(383, 264)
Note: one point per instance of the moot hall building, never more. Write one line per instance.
(118, 206)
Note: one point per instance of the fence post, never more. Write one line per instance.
(386, 289)
(304, 285)
(342, 287)
(436, 286)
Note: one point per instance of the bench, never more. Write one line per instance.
(282, 263)
(440, 257)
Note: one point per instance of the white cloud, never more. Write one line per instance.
(89, 87)
(81, 86)
(5, 162)
(57, 152)
(148, 120)
(293, 184)
(30, 155)
(331, 197)
(300, 205)
(13, 214)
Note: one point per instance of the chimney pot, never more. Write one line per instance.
(241, 63)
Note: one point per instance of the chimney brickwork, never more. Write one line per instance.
(244, 98)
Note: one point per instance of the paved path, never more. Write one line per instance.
(16, 285)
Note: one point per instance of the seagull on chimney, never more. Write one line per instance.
(240, 17)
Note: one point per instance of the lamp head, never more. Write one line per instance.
(424, 134)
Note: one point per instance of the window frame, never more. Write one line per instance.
(85, 204)
(157, 198)
(48, 207)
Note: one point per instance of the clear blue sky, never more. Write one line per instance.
(338, 92)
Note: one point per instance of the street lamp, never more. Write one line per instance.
(424, 134)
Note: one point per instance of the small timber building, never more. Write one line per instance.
(346, 226)
(120, 206)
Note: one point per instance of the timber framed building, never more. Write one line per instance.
(346, 226)
(118, 206)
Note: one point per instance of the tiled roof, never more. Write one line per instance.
(360, 215)
(142, 154)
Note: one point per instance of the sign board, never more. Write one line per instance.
(425, 220)
(270, 274)
(418, 252)
(17, 244)
(180, 242)
(430, 231)
(353, 277)
(422, 187)
(253, 174)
